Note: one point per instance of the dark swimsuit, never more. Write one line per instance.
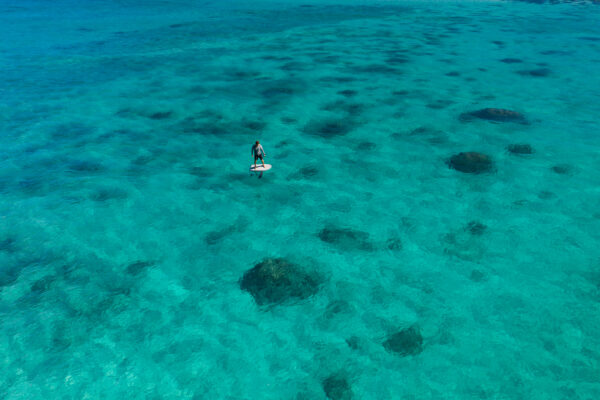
(257, 155)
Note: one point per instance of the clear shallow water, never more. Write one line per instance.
(128, 216)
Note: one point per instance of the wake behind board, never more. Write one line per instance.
(260, 168)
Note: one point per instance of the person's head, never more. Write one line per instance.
(257, 142)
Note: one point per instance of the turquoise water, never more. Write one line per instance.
(128, 216)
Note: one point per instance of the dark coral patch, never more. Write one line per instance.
(405, 342)
(495, 115)
(337, 387)
(139, 266)
(241, 75)
(160, 115)
(42, 285)
(477, 276)
(86, 166)
(346, 238)
(353, 342)
(214, 237)
(476, 228)
(295, 66)
(142, 160)
(8, 275)
(538, 73)
(209, 114)
(348, 93)
(198, 89)
(133, 113)
(520, 149)
(394, 244)
(354, 109)
(471, 162)
(556, 52)
(277, 280)
(337, 79)
(366, 146)
(288, 120)
(562, 169)
(31, 185)
(34, 185)
(545, 195)
(395, 60)
(439, 104)
(308, 172)
(71, 131)
(8, 245)
(329, 128)
(511, 60)
(254, 125)
(337, 307)
(329, 59)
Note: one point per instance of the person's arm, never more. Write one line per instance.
(263, 151)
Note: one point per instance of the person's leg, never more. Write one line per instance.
(263, 160)
(255, 161)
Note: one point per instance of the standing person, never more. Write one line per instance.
(258, 152)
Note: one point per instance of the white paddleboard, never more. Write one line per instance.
(260, 168)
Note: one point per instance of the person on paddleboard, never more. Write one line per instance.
(258, 152)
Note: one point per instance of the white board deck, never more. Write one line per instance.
(260, 168)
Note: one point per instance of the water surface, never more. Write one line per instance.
(128, 216)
